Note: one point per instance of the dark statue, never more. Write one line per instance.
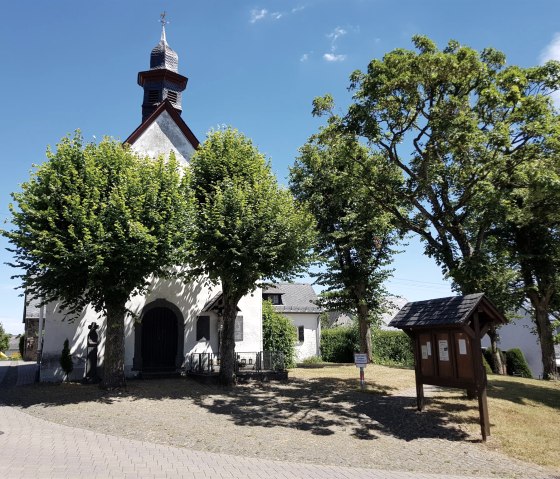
(91, 363)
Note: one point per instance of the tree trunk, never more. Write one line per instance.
(545, 332)
(497, 364)
(365, 331)
(227, 346)
(113, 364)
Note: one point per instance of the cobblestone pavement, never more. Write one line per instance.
(31, 447)
(34, 448)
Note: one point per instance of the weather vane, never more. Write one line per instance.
(162, 19)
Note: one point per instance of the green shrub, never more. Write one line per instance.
(485, 363)
(279, 334)
(490, 359)
(4, 339)
(516, 365)
(313, 360)
(338, 345)
(393, 348)
(21, 344)
(66, 359)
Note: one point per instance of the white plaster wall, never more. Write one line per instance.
(163, 136)
(189, 298)
(251, 310)
(519, 334)
(311, 334)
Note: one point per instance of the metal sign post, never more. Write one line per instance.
(361, 361)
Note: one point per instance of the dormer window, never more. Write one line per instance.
(172, 96)
(273, 298)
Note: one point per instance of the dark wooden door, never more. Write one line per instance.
(159, 340)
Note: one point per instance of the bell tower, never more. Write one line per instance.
(162, 81)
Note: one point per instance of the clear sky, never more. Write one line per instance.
(255, 65)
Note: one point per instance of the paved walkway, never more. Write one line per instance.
(33, 448)
(36, 449)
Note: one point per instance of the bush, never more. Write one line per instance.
(279, 334)
(393, 348)
(4, 339)
(338, 345)
(66, 359)
(516, 365)
(487, 352)
(313, 360)
(21, 344)
(485, 363)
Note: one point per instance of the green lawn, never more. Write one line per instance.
(524, 413)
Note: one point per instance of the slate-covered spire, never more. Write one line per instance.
(162, 81)
(163, 56)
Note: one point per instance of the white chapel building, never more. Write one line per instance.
(175, 319)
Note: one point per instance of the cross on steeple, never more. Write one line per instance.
(163, 22)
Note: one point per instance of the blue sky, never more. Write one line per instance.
(255, 65)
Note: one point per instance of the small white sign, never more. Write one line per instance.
(429, 348)
(424, 351)
(462, 346)
(443, 350)
(360, 360)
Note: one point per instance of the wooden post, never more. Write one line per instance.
(483, 412)
(480, 380)
(418, 374)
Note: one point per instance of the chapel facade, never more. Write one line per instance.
(175, 319)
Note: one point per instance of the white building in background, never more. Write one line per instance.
(521, 333)
(175, 319)
(297, 302)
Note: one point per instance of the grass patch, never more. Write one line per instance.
(377, 377)
(524, 413)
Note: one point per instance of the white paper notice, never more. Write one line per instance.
(443, 350)
(429, 348)
(424, 351)
(462, 346)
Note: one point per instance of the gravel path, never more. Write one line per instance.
(323, 422)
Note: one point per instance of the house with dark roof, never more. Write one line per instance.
(297, 301)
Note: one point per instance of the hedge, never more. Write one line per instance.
(339, 344)
(487, 352)
(516, 365)
(392, 348)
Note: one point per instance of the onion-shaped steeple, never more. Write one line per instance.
(162, 81)
(163, 56)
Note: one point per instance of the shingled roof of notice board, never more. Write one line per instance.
(454, 310)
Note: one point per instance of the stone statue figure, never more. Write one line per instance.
(92, 342)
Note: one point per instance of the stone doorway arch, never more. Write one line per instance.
(159, 338)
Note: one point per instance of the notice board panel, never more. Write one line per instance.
(426, 354)
(443, 351)
(463, 353)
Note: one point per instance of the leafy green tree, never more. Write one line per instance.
(247, 228)
(279, 333)
(356, 238)
(457, 123)
(4, 339)
(66, 362)
(91, 225)
(529, 229)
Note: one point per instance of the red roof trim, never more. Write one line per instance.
(167, 106)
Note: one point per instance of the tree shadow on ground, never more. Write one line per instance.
(523, 392)
(326, 406)
(322, 407)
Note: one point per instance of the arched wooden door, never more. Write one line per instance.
(159, 340)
